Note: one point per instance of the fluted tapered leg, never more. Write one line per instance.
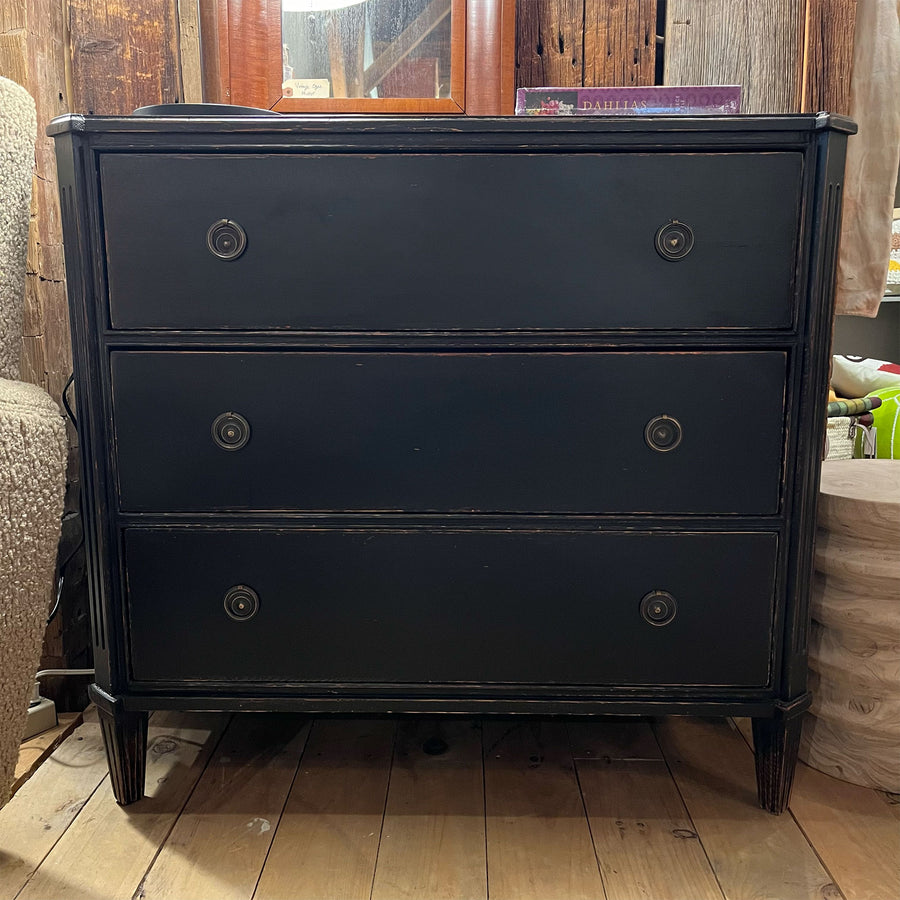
(776, 743)
(125, 739)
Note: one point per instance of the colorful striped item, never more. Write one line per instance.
(853, 407)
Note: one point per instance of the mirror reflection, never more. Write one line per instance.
(366, 48)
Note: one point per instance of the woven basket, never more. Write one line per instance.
(839, 435)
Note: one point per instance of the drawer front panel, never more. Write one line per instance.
(421, 606)
(421, 432)
(451, 241)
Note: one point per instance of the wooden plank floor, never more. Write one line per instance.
(281, 807)
(34, 750)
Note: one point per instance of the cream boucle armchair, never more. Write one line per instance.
(32, 447)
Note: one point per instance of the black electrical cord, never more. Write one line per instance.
(62, 578)
(62, 566)
(65, 401)
(59, 587)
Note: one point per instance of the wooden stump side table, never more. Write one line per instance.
(852, 730)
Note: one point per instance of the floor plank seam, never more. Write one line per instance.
(138, 893)
(799, 824)
(586, 816)
(740, 731)
(387, 793)
(287, 797)
(487, 865)
(687, 810)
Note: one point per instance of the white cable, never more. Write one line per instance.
(63, 672)
(36, 690)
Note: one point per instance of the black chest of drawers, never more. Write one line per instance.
(482, 415)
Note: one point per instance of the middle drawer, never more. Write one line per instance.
(579, 432)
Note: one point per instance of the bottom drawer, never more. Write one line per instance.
(421, 606)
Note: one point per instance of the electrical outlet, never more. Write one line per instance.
(41, 716)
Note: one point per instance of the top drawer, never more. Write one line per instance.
(443, 241)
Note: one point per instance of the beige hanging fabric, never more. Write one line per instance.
(873, 158)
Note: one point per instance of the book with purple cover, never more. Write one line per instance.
(719, 100)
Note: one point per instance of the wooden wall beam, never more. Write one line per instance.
(214, 50)
(619, 43)
(593, 43)
(828, 56)
(14, 41)
(190, 61)
(549, 43)
(755, 43)
(124, 54)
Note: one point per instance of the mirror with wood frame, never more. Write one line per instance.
(378, 56)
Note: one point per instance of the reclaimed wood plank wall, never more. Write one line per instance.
(788, 55)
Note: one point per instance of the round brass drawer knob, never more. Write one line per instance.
(658, 608)
(226, 239)
(663, 433)
(231, 431)
(241, 603)
(674, 240)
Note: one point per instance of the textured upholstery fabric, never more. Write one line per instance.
(32, 448)
(18, 129)
(32, 481)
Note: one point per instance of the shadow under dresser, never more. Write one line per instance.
(480, 416)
